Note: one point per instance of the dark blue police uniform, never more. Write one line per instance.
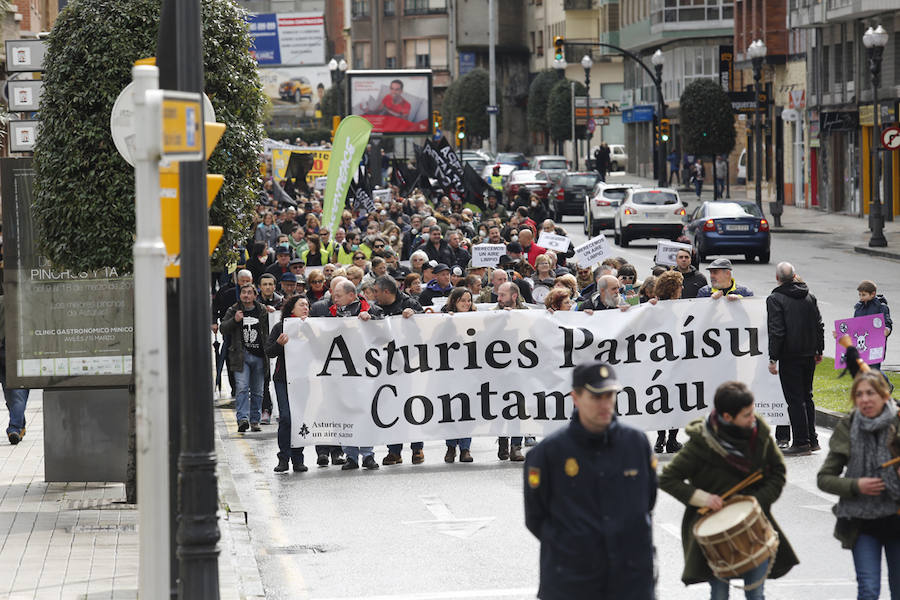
(588, 499)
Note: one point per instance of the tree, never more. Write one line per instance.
(84, 202)
(707, 121)
(559, 110)
(538, 95)
(331, 102)
(468, 97)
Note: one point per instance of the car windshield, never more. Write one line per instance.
(615, 194)
(580, 180)
(555, 163)
(476, 163)
(732, 209)
(654, 197)
(509, 158)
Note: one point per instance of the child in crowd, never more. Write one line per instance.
(873, 303)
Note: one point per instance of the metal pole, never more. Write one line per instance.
(587, 134)
(574, 139)
(151, 396)
(198, 529)
(492, 71)
(661, 156)
(757, 133)
(877, 240)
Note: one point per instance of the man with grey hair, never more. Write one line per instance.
(509, 298)
(605, 297)
(224, 299)
(796, 343)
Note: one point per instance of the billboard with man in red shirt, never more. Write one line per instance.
(395, 102)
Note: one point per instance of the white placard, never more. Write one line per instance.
(495, 372)
(551, 241)
(667, 251)
(383, 196)
(487, 255)
(321, 182)
(592, 251)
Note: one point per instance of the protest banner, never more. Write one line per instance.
(436, 377)
(592, 251)
(487, 255)
(666, 252)
(321, 159)
(867, 334)
(551, 241)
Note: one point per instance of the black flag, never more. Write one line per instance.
(298, 166)
(475, 187)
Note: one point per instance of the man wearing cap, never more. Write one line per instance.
(721, 282)
(496, 179)
(439, 287)
(288, 285)
(589, 492)
(298, 268)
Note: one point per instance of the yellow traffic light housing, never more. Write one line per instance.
(335, 123)
(460, 128)
(436, 119)
(664, 130)
(559, 45)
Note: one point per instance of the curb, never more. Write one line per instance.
(828, 418)
(876, 252)
(796, 230)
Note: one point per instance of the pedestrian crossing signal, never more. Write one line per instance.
(559, 43)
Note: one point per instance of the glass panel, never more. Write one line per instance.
(654, 198)
(712, 14)
(728, 12)
(732, 209)
(691, 14)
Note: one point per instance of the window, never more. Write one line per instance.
(851, 60)
(390, 8)
(423, 54)
(359, 9)
(390, 55)
(838, 65)
(540, 46)
(681, 11)
(425, 7)
(533, 45)
(362, 55)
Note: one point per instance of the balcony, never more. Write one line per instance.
(578, 4)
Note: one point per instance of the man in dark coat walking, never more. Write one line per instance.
(589, 491)
(796, 343)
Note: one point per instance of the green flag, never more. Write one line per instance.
(350, 141)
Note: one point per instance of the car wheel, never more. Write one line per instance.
(701, 256)
(616, 237)
(614, 166)
(764, 257)
(595, 229)
(623, 239)
(586, 223)
(749, 257)
(297, 97)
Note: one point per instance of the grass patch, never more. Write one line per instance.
(833, 393)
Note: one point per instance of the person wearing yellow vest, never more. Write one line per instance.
(496, 179)
(326, 243)
(722, 283)
(343, 253)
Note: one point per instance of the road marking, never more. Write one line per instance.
(502, 593)
(444, 521)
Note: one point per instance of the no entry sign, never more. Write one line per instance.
(890, 138)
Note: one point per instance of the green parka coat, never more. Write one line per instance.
(701, 464)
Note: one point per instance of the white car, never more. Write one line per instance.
(505, 170)
(600, 206)
(742, 168)
(649, 212)
(618, 158)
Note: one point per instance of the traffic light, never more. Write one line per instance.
(664, 130)
(460, 129)
(437, 120)
(559, 44)
(169, 202)
(656, 134)
(335, 122)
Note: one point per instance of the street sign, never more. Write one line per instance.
(493, 109)
(603, 121)
(591, 126)
(890, 138)
(25, 55)
(797, 99)
(22, 135)
(182, 117)
(24, 95)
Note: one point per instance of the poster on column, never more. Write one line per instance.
(435, 377)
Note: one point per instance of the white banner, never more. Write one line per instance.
(667, 251)
(435, 377)
(551, 241)
(487, 255)
(592, 251)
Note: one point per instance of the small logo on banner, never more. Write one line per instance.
(571, 467)
(534, 477)
(304, 430)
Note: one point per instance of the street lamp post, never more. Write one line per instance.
(757, 52)
(337, 69)
(560, 65)
(875, 40)
(658, 60)
(587, 63)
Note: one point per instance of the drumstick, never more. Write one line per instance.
(891, 462)
(846, 342)
(753, 478)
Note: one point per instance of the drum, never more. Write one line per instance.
(736, 538)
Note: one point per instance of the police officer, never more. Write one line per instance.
(589, 490)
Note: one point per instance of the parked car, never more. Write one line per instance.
(601, 204)
(536, 182)
(618, 158)
(476, 162)
(482, 154)
(296, 90)
(742, 168)
(553, 165)
(730, 228)
(649, 213)
(513, 158)
(567, 196)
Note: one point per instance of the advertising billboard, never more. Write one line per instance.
(394, 102)
(63, 328)
(288, 38)
(295, 88)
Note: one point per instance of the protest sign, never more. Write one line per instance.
(383, 196)
(436, 377)
(487, 255)
(867, 334)
(321, 182)
(551, 241)
(666, 252)
(592, 251)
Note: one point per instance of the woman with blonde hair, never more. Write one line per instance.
(559, 298)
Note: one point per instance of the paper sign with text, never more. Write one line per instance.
(667, 251)
(487, 255)
(551, 241)
(592, 251)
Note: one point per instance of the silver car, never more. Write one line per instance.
(554, 166)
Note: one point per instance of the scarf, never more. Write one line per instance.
(738, 442)
(869, 448)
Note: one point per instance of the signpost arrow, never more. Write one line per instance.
(444, 521)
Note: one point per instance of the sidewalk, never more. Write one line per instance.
(849, 228)
(80, 540)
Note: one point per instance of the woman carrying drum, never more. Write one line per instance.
(721, 451)
(867, 518)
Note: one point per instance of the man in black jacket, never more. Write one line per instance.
(796, 343)
(393, 302)
(594, 544)
(693, 279)
(438, 249)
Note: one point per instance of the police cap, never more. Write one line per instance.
(596, 377)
